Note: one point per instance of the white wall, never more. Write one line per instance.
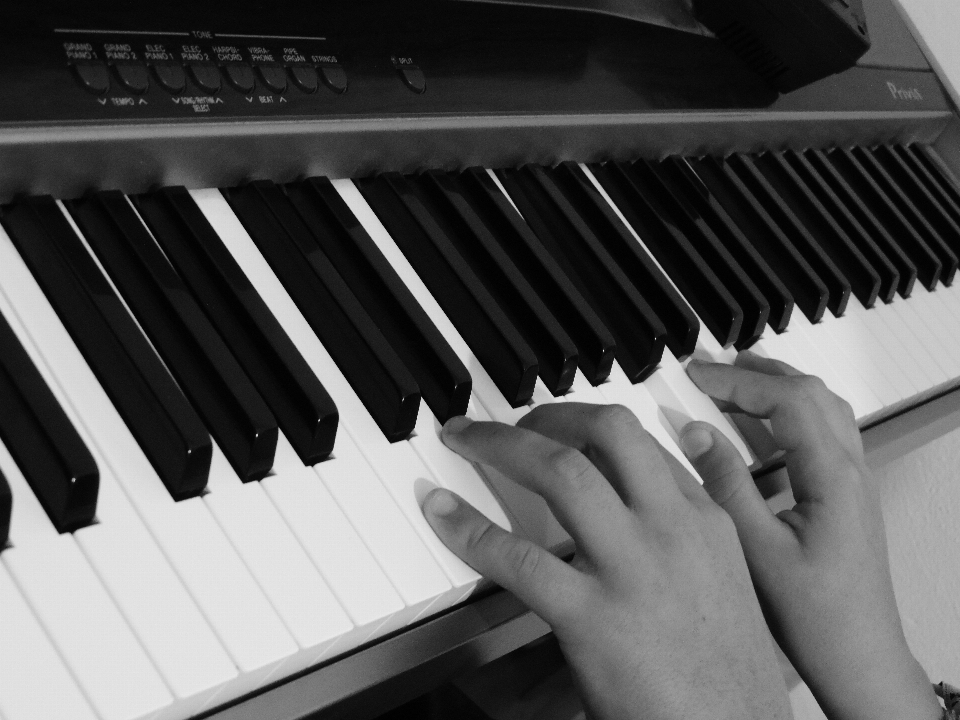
(921, 509)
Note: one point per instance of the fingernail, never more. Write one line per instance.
(695, 442)
(456, 424)
(440, 502)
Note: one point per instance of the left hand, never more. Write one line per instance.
(656, 615)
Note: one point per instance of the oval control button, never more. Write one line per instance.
(413, 78)
(171, 77)
(207, 77)
(241, 77)
(93, 76)
(133, 76)
(305, 78)
(273, 77)
(335, 78)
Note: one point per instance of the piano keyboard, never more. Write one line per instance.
(226, 401)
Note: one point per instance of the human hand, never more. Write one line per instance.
(820, 569)
(656, 615)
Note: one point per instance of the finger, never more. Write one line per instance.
(582, 500)
(689, 484)
(813, 426)
(547, 585)
(613, 439)
(750, 360)
(730, 485)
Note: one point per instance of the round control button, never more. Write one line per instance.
(133, 76)
(413, 78)
(335, 78)
(93, 76)
(305, 78)
(171, 77)
(273, 77)
(241, 77)
(207, 77)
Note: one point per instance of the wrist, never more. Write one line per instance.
(903, 695)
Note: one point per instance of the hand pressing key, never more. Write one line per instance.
(820, 569)
(656, 615)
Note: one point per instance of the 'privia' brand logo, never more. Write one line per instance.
(900, 93)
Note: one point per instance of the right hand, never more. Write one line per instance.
(820, 569)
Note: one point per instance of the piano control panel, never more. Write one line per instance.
(201, 62)
(198, 69)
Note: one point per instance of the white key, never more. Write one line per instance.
(77, 612)
(277, 561)
(401, 549)
(637, 399)
(161, 613)
(370, 502)
(936, 312)
(902, 341)
(850, 360)
(149, 594)
(682, 402)
(756, 432)
(451, 470)
(34, 682)
(216, 578)
(338, 552)
(854, 341)
(892, 360)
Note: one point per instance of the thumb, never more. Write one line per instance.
(730, 484)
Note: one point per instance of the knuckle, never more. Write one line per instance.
(846, 411)
(613, 417)
(524, 561)
(725, 484)
(480, 538)
(810, 391)
(571, 468)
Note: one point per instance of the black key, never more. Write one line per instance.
(42, 440)
(841, 224)
(928, 205)
(778, 209)
(676, 241)
(304, 410)
(639, 333)
(6, 508)
(705, 210)
(484, 326)
(154, 409)
(556, 354)
(929, 266)
(210, 376)
(818, 231)
(852, 203)
(937, 179)
(375, 372)
(909, 210)
(714, 256)
(609, 231)
(750, 215)
(596, 347)
(444, 381)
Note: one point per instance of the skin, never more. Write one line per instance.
(661, 614)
